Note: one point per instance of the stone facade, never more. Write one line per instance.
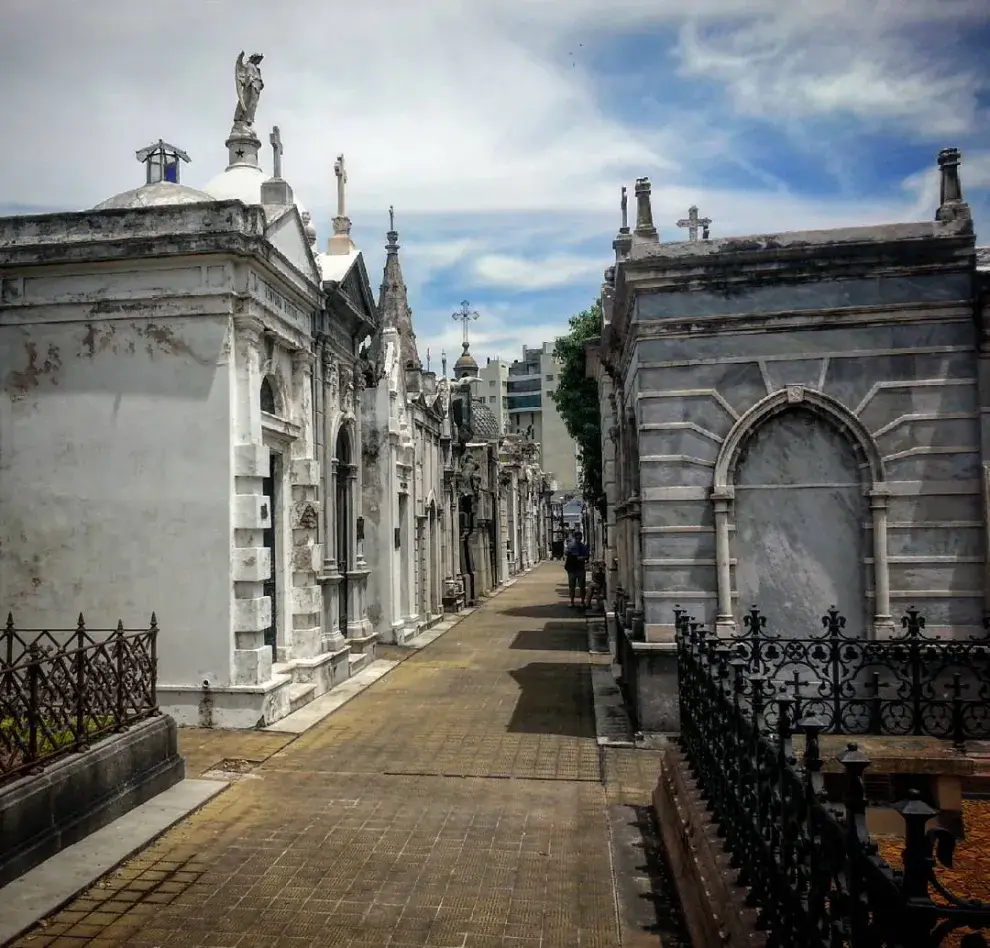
(797, 420)
(408, 494)
(156, 373)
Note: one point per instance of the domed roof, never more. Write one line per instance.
(237, 183)
(483, 421)
(159, 194)
(465, 364)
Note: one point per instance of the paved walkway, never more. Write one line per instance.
(462, 800)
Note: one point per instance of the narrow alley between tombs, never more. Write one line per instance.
(461, 800)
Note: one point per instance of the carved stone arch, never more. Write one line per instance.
(830, 410)
(872, 474)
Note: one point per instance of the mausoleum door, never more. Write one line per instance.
(800, 540)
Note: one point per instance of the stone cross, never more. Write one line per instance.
(465, 314)
(276, 141)
(341, 172)
(692, 222)
(625, 210)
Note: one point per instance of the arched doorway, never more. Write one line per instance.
(342, 522)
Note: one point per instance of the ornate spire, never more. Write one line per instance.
(393, 300)
(951, 204)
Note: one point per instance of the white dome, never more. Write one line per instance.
(155, 195)
(243, 183)
(238, 183)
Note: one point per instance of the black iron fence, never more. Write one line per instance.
(812, 872)
(60, 689)
(909, 684)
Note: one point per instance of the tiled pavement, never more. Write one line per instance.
(459, 801)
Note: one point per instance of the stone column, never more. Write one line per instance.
(725, 623)
(883, 622)
(250, 514)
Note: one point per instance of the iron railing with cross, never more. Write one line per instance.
(61, 689)
(910, 684)
(809, 866)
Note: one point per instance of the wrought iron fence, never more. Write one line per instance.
(60, 689)
(910, 684)
(811, 870)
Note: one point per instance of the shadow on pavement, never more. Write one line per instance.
(555, 610)
(553, 637)
(555, 698)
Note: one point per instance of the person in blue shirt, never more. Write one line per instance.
(576, 564)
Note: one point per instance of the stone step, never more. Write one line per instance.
(357, 660)
(300, 694)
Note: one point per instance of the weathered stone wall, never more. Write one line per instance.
(115, 473)
(801, 526)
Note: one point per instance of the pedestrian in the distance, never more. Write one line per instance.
(576, 564)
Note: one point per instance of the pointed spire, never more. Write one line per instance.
(393, 300)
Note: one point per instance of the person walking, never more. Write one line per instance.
(576, 556)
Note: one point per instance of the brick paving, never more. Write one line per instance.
(459, 801)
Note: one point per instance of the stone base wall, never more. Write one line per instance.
(714, 908)
(649, 682)
(41, 814)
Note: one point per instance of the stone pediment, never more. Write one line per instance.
(357, 289)
(286, 234)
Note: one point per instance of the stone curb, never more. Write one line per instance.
(48, 887)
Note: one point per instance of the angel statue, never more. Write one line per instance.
(247, 79)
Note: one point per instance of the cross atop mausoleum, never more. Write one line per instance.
(162, 162)
(341, 172)
(276, 141)
(464, 315)
(692, 222)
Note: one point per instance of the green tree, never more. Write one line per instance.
(576, 398)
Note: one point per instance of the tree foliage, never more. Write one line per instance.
(576, 398)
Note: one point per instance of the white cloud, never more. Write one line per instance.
(826, 58)
(526, 273)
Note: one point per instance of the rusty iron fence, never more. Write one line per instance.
(61, 689)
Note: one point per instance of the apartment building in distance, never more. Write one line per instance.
(529, 382)
(493, 390)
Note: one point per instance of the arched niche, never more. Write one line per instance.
(811, 474)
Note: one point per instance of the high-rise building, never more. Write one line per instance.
(530, 381)
(493, 391)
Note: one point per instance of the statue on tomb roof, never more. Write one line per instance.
(247, 79)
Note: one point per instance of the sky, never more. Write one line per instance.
(503, 130)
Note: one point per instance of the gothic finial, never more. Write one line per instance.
(391, 218)
(951, 204)
(443, 361)
(644, 210)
